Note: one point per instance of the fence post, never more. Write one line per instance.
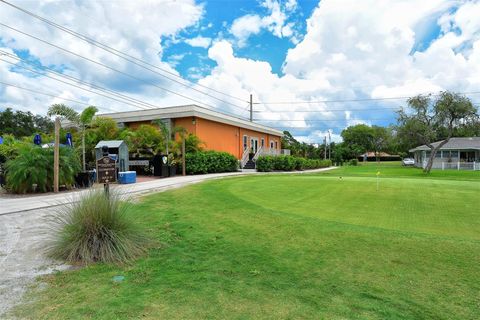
(458, 165)
(443, 165)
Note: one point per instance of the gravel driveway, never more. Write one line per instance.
(22, 255)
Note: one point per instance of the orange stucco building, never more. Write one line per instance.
(218, 131)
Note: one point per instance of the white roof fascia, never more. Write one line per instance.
(189, 111)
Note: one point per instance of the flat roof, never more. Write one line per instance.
(189, 111)
(110, 143)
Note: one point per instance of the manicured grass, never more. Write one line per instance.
(292, 247)
(395, 169)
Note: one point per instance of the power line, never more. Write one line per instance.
(309, 128)
(325, 111)
(318, 120)
(338, 110)
(355, 100)
(73, 85)
(142, 64)
(141, 103)
(108, 67)
(45, 94)
(139, 62)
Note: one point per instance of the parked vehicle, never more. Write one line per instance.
(408, 162)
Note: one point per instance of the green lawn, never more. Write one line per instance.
(320, 246)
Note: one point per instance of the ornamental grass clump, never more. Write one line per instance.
(96, 228)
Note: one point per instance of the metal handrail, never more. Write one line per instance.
(244, 158)
(257, 154)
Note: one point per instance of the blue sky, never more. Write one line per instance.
(278, 50)
(219, 14)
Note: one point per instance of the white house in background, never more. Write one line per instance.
(457, 153)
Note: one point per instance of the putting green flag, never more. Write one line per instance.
(378, 176)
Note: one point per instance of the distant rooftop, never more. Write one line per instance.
(472, 143)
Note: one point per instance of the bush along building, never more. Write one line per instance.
(243, 139)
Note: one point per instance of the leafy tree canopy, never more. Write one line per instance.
(431, 119)
(20, 123)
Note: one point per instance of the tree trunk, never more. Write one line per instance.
(434, 151)
(83, 150)
(184, 170)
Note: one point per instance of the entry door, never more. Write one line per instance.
(254, 144)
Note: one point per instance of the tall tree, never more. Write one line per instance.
(358, 138)
(21, 124)
(380, 139)
(434, 119)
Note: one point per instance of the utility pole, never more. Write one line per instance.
(329, 145)
(251, 108)
(56, 156)
(325, 153)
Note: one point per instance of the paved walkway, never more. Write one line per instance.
(26, 203)
(24, 231)
(34, 202)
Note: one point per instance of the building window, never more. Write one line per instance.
(263, 142)
(276, 145)
(454, 154)
(438, 154)
(245, 141)
(271, 144)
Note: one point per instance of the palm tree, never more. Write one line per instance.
(82, 121)
(165, 131)
(182, 132)
(85, 120)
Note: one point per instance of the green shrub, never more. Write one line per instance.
(96, 228)
(265, 163)
(301, 164)
(34, 166)
(284, 163)
(353, 162)
(9, 148)
(289, 163)
(7, 152)
(210, 162)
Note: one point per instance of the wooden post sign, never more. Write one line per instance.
(106, 170)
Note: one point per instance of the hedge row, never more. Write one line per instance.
(289, 163)
(210, 162)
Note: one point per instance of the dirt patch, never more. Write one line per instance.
(22, 255)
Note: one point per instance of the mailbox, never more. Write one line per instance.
(117, 150)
